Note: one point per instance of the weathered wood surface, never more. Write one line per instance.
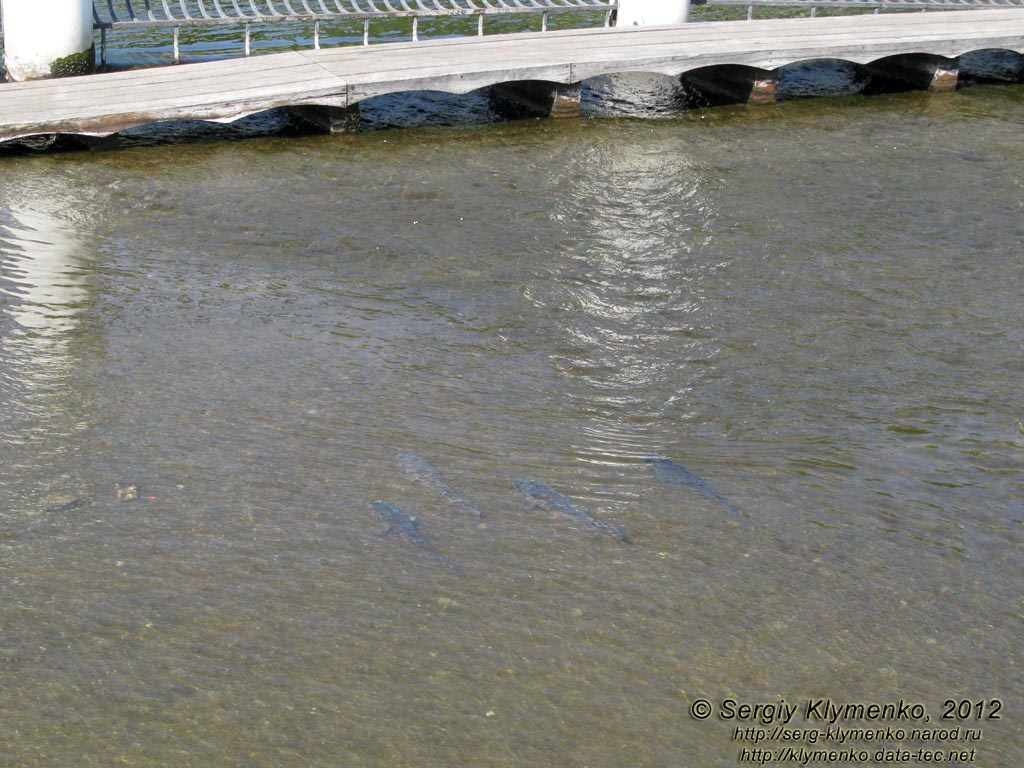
(102, 104)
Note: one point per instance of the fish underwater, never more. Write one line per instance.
(675, 473)
(70, 506)
(421, 471)
(408, 526)
(550, 499)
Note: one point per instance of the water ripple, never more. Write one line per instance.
(43, 289)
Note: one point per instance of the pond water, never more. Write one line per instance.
(812, 307)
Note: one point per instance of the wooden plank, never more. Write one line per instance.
(626, 44)
(198, 80)
(225, 90)
(341, 77)
(672, 50)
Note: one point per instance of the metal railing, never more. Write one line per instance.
(126, 14)
(123, 13)
(176, 14)
(813, 6)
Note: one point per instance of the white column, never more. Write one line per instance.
(648, 13)
(47, 38)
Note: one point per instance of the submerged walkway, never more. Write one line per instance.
(99, 105)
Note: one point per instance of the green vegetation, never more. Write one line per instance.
(709, 12)
(76, 64)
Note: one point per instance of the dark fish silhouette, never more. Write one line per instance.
(71, 506)
(419, 470)
(550, 499)
(399, 522)
(673, 472)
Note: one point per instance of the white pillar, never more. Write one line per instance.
(47, 38)
(648, 13)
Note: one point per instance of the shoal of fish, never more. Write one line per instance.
(539, 494)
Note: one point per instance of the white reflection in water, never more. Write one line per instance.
(632, 284)
(43, 289)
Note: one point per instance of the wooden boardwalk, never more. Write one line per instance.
(103, 104)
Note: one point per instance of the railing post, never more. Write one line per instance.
(644, 13)
(47, 39)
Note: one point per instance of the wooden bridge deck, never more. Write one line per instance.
(102, 104)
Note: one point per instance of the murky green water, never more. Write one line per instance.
(813, 307)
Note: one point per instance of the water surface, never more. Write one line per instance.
(815, 307)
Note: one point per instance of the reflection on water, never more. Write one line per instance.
(44, 289)
(629, 288)
(795, 304)
(44, 282)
